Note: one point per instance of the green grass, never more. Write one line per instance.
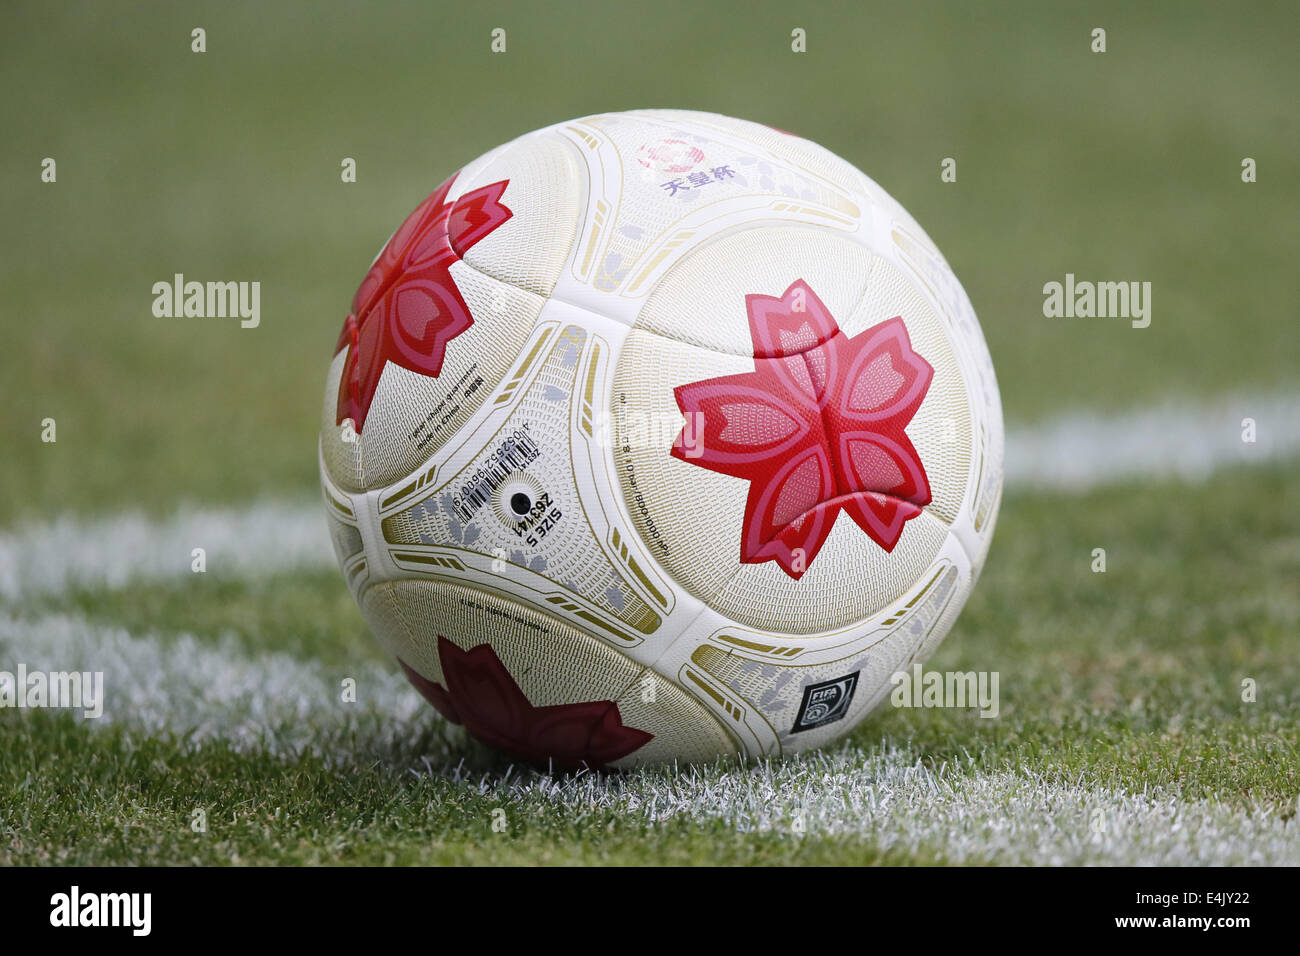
(113, 800)
(1126, 682)
(305, 614)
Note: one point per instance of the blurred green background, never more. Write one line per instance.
(225, 165)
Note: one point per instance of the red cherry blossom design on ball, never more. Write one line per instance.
(408, 308)
(817, 428)
(481, 694)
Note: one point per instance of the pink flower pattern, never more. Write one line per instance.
(408, 307)
(817, 428)
(482, 695)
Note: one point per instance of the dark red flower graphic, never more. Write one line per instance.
(408, 308)
(816, 428)
(481, 694)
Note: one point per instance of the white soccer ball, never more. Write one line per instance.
(660, 436)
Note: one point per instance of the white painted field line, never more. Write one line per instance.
(887, 797)
(218, 691)
(1082, 451)
(1073, 454)
(265, 538)
(274, 703)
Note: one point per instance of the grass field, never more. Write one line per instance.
(1123, 735)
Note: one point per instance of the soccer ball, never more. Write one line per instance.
(659, 436)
